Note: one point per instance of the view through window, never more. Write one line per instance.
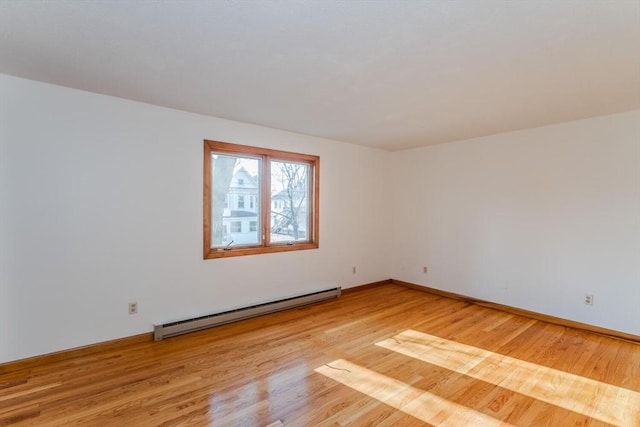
(258, 200)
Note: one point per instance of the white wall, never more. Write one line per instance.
(101, 204)
(532, 219)
(4, 224)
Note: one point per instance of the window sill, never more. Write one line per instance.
(233, 252)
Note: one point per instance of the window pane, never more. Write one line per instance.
(258, 200)
(289, 201)
(234, 179)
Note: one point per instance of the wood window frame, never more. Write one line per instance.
(264, 200)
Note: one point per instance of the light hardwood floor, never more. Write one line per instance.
(387, 356)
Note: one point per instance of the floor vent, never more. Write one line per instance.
(203, 322)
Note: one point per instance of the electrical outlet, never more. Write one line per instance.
(588, 299)
(133, 308)
(424, 269)
(353, 270)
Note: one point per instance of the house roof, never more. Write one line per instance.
(242, 214)
(384, 74)
(244, 174)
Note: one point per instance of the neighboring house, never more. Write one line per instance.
(282, 220)
(240, 219)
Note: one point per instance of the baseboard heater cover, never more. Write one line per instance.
(180, 327)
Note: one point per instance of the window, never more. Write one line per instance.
(282, 190)
(240, 181)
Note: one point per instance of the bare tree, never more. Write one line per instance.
(293, 179)
(222, 173)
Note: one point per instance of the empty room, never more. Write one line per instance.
(320, 213)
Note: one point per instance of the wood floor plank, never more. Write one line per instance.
(328, 365)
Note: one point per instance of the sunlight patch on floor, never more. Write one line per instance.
(418, 403)
(29, 391)
(605, 402)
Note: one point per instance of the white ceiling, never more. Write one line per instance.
(388, 74)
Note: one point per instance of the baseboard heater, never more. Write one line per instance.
(180, 327)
